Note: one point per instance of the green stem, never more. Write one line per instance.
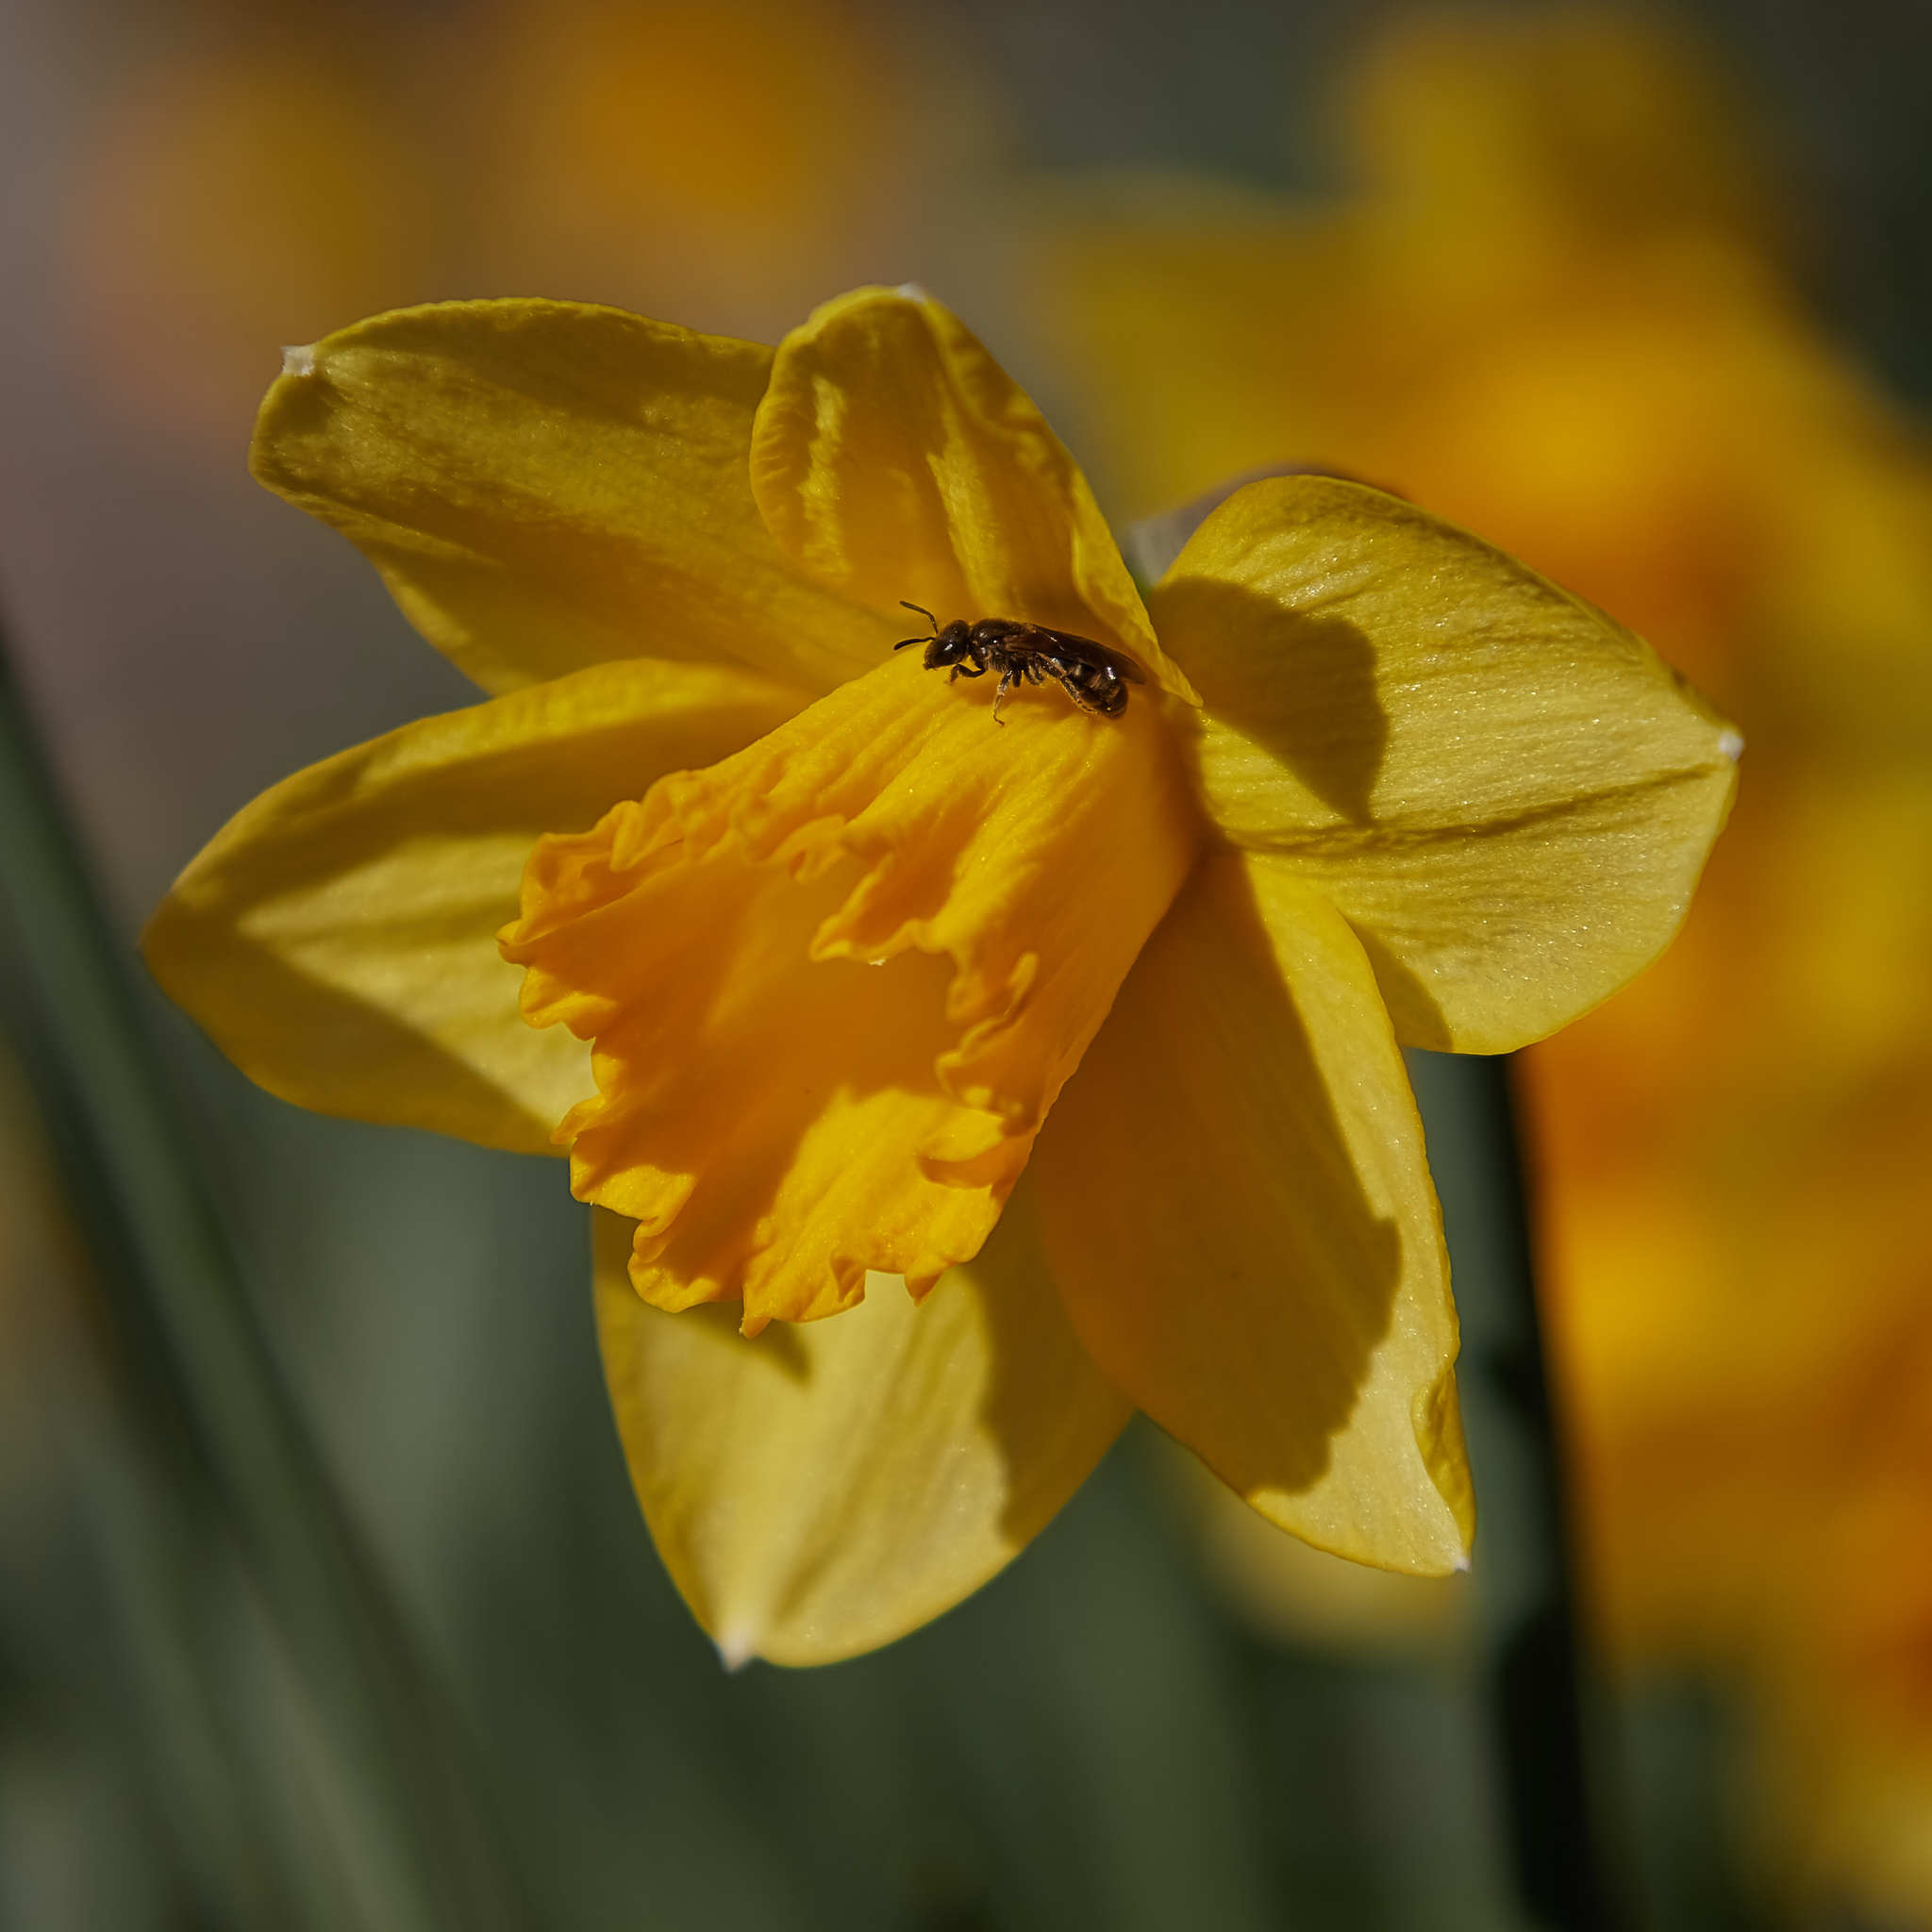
(183, 1317)
(1526, 1601)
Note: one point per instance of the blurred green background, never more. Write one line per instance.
(1148, 1721)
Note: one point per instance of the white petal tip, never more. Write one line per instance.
(1731, 744)
(913, 292)
(1463, 1564)
(736, 1648)
(299, 359)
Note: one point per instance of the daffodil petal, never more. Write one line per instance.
(1508, 796)
(1239, 1218)
(835, 982)
(896, 460)
(337, 938)
(823, 1490)
(546, 485)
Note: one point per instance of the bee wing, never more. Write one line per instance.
(1064, 643)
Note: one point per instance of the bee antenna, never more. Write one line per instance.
(925, 613)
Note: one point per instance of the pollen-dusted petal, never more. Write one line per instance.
(1508, 796)
(823, 1490)
(835, 981)
(894, 458)
(1239, 1218)
(337, 938)
(547, 485)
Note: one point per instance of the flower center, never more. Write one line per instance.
(835, 981)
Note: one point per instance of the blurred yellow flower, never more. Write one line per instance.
(1551, 311)
(839, 942)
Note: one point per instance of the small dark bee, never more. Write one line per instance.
(1096, 677)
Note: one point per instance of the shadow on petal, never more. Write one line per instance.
(1300, 685)
(1419, 1020)
(337, 938)
(1045, 1406)
(716, 1326)
(820, 1497)
(1225, 1262)
(1240, 1217)
(357, 1059)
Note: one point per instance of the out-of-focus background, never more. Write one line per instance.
(1644, 296)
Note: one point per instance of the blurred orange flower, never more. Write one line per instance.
(697, 157)
(263, 179)
(233, 198)
(1554, 312)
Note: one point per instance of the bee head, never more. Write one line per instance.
(950, 646)
(943, 647)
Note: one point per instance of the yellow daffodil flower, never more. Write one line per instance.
(1086, 1026)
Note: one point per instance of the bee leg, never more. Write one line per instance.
(967, 670)
(1006, 684)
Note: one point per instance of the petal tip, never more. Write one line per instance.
(298, 359)
(913, 292)
(736, 1648)
(1730, 744)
